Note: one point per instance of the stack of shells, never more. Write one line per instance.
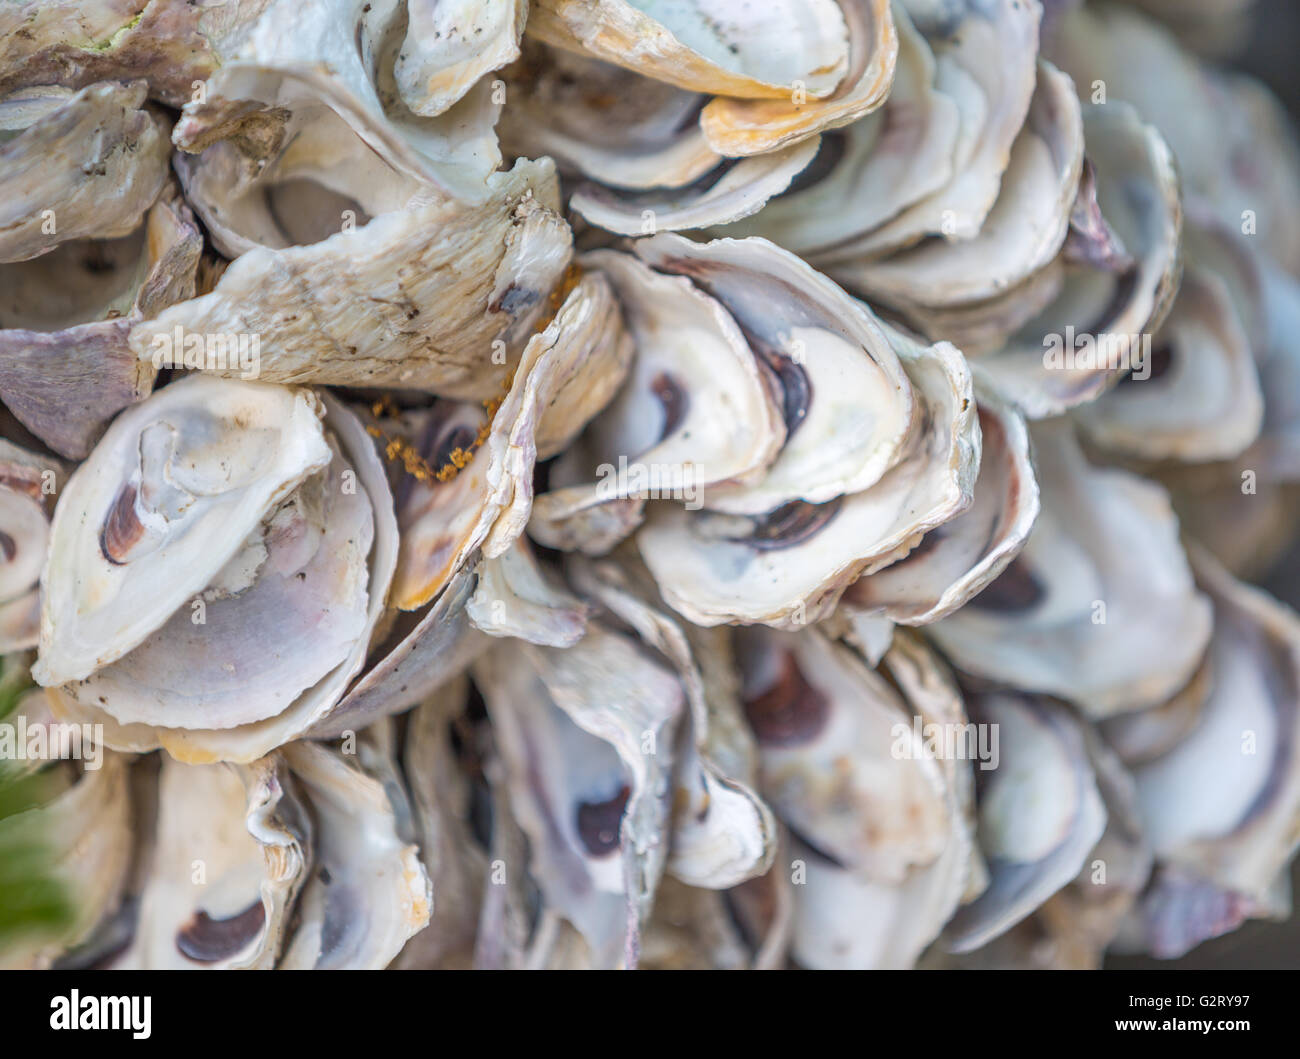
(615, 483)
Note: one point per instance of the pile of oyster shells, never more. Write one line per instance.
(663, 483)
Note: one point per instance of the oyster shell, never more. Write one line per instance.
(1227, 118)
(869, 893)
(1021, 232)
(1073, 928)
(219, 505)
(565, 375)
(28, 485)
(442, 793)
(654, 165)
(729, 192)
(292, 861)
(637, 145)
(77, 164)
(372, 62)
(804, 593)
(78, 42)
(595, 812)
(1109, 306)
(752, 127)
(804, 507)
(65, 366)
(516, 597)
(957, 109)
(1040, 814)
(1219, 806)
(603, 122)
(450, 46)
(695, 46)
(722, 832)
(230, 852)
(967, 206)
(955, 561)
(1206, 402)
(369, 893)
(335, 313)
(1091, 611)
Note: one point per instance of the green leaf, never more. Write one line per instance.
(33, 899)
